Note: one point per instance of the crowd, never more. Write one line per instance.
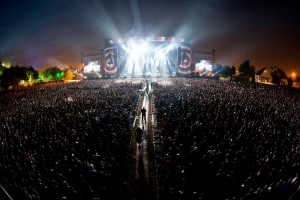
(227, 140)
(219, 140)
(66, 141)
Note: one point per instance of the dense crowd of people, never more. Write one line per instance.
(66, 141)
(216, 139)
(227, 140)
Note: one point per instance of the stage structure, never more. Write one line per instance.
(147, 57)
(91, 65)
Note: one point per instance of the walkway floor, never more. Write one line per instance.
(140, 181)
(141, 163)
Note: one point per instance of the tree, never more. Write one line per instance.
(32, 74)
(1, 69)
(52, 73)
(14, 75)
(246, 69)
(297, 79)
(226, 71)
(7, 78)
(69, 75)
(275, 77)
(232, 70)
(290, 82)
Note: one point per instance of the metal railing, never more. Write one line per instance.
(4, 193)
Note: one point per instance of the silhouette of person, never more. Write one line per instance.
(144, 114)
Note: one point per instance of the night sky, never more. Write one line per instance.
(43, 33)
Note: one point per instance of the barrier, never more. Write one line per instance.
(4, 193)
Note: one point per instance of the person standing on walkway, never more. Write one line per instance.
(144, 114)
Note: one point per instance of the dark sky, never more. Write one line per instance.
(45, 33)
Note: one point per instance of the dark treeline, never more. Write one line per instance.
(13, 75)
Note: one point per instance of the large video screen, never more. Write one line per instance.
(203, 65)
(92, 69)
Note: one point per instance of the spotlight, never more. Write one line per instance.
(137, 49)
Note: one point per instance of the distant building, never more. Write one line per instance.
(269, 75)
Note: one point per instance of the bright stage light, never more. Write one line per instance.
(92, 66)
(137, 48)
(203, 64)
(160, 54)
